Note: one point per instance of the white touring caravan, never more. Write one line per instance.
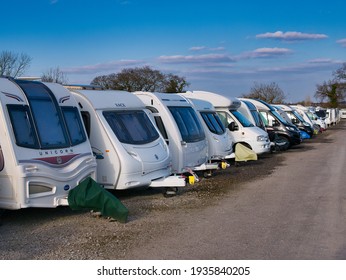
(44, 150)
(240, 129)
(130, 151)
(219, 143)
(180, 126)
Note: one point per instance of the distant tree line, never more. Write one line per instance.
(142, 79)
(145, 78)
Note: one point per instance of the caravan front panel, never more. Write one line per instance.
(45, 149)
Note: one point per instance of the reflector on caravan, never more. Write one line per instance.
(44, 147)
(130, 151)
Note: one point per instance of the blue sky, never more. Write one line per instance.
(220, 46)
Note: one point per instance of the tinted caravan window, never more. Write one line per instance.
(190, 128)
(46, 114)
(74, 125)
(131, 127)
(23, 126)
(213, 122)
(54, 128)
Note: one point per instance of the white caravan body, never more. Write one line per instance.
(130, 151)
(180, 126)
(44, 150)
(343, 113)
(219, 144)
(245, 132)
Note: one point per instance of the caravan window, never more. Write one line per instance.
(213, 122)
(74, 125)
(190, 128)
(48, 122)
(54, 128)
(131, 127)
(23, 127)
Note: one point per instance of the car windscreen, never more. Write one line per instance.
(241, 118)
(190, 128)
(132, 126)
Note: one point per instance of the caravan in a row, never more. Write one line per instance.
(44, 150)
(129, 150)
(178, 122)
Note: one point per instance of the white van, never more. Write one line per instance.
(219, 144)
(240, 129)
(180, 126)
(130, 151)
(44, 150)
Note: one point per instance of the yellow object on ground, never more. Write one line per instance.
(243, 153)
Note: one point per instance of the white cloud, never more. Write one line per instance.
(205, 58)
(342, 42)
(291, 36)
(112, 66)
(266, 52)
(199, 48)
(52, 2)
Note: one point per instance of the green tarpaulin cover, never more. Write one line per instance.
(89, 194)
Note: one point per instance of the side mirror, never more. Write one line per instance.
(232, 126)
(276, 123)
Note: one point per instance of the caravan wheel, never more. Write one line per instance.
(170, 192)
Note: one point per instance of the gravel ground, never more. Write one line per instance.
(64, 234)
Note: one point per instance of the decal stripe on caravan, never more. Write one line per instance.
(63, 99)
(10, 95)
(55, 160)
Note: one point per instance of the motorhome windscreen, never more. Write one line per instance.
(241, 118)
(257, 118)
(321, 113)
(189, 126)
(131, 127)
(281, 119)
(213, 122)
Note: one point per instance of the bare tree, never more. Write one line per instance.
(333, 91)
(141, 79)
(12, 64)
(54, 75)
(270, 93)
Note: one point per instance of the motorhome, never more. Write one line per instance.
(310, 116)
(297, 119)
(180, 126)
(44, 150)
(240, 129)
(219, 144)
(251, 113)
(275, 123)
(129, 150)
